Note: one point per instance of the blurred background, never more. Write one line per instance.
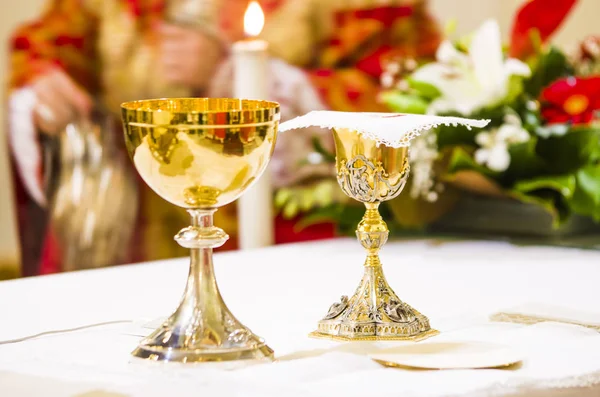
(457, 18)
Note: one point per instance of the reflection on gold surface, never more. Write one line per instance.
(201, 154)
(198, 152)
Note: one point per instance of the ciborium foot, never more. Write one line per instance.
(202, 328)
(374, 312)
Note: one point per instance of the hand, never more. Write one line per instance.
(188, 56)
(59, 101)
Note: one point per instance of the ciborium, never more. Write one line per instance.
(372, 166)
(201, 154)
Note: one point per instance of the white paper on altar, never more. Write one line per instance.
(389, 129)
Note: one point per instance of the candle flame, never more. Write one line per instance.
(254, 19)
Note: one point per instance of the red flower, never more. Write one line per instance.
(571, 100)
(543, 16)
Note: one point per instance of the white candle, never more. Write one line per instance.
(255, 207)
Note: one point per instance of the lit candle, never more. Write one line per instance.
(255, 207)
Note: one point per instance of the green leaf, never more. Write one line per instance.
(423, 89)
(549, 66)
(531, 119)
(515, 89)
(524, 162)
(319, 148)
(461, 135)
(563, 184)
(404, 103)
(345, 216)
(290, 209)
(568, 153)
(321, 215)
(282, 196)
(586, 200)
(461, 160)
(549, 200)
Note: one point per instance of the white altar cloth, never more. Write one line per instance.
(280, 293)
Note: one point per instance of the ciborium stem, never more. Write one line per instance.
(372, 233)
(202, 328)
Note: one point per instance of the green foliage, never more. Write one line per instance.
(525, 163)
(515, 89)
(461, 160)
(551, 192)
(302, 199)
(549, 200)
(461, 135)
(563, 184)
(571, 151)
(414, 99)
(558, 168)
(404, 103)
(345, 216)
(423, 89)
(319, 148)
(546, 68)
(586, 199)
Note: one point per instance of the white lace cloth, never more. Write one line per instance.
(389, 129)
(280, 293)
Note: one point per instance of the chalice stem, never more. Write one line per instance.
(202, 305)
(201, 302)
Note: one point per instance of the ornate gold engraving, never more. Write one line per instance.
(371, 174)
(368, 182)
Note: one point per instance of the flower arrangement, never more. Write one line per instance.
(542, 145)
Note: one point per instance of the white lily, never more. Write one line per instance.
(469, 82)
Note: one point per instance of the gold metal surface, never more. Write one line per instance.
(371, 174)
(201, 154)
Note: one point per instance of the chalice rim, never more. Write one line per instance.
(134, 106)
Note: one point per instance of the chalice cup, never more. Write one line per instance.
(371, 173)
(201, 154)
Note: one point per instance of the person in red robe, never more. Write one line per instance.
(85, 57)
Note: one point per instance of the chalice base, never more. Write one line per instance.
(202, 328)
(159, 353)
(188, 342)
(374, 312)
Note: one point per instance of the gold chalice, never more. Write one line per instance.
(371, 173)
(201, 154)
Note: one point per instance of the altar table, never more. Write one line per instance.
(280, 293)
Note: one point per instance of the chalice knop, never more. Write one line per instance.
(201, 154)
(371, 173)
